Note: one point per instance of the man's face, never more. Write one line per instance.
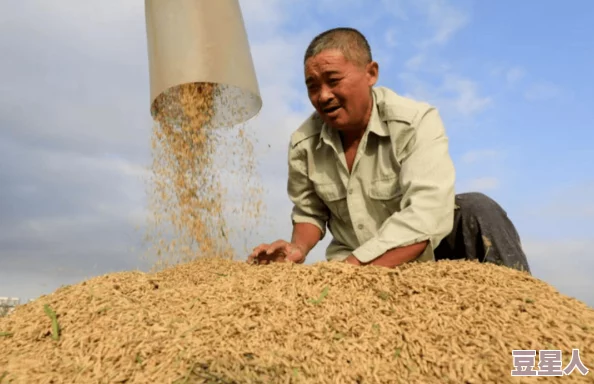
(340, 90)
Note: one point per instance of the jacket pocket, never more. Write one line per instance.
(334, 196)
(386, 193)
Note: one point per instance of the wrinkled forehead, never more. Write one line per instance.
(326, 63)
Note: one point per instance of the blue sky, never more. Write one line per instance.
(512, 80)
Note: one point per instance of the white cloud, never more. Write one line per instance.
(468, 101)
(391, 37)
(564, 263)
(268, 15)
(480, 184)
(480, 155)
(416, 62)
(542, 91)
(455, 94)
(569, 209)
(514, 75)
(573, 202)
(399, 9)
(510, 74)
(452, 93)
(444, 18)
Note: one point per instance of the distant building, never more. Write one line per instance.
(7, 304)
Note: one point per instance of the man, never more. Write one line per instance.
(374, 167)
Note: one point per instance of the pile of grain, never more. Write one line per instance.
(222, 321)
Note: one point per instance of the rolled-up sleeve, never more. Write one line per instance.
(307, 206)
(427, 207)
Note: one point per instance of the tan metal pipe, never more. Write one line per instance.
(202, 41)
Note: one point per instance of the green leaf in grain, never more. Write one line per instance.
(322, 296)
(295, 372)
(103, 310)
(55, 327)
(6, 334)
(383, 295)
(397, 353)
(186, 379)
(3, 376)
(193, 304)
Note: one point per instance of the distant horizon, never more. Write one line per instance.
(6, 301)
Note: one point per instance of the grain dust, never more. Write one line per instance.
(204, 188)
(222, 321)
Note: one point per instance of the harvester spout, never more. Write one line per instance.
(202, 41)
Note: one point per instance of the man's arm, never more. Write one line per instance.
(310, 214)
(395, 256)
(305, 236)
(427, 206)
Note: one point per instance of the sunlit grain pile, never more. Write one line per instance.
(221, 321)
(198, 154)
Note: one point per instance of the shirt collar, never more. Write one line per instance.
(376, 125)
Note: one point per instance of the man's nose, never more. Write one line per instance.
(325, 95)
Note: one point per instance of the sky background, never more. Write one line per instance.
(513, 82)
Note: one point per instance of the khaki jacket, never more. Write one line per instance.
(400, 191)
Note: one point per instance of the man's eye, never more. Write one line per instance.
(333, 81)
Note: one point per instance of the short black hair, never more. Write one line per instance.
(349, 41)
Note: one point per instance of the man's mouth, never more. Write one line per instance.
(330, 110)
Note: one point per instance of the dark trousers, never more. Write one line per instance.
(482, 231)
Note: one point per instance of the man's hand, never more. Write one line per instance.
(277, 252)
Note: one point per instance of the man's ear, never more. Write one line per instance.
(372, 70)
